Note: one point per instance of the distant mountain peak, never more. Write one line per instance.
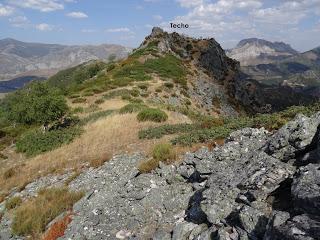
(254, 51)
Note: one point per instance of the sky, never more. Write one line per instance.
(127, 22)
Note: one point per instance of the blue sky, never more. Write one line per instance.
(127, 22)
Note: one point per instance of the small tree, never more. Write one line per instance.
(34, 104)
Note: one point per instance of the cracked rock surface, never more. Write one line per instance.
(258, 186)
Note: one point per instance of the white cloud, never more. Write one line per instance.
(157, 17)
(5, 10)
(238, 19)
(19, 21)
(117, 30)
(77, 15)
(44, 27)
(41, 5)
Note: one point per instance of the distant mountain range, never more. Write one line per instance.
(20, 59)
(277, 63)
(254, 51)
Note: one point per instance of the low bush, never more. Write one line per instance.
(35, 142)
(152, 114)
(32, 216)
(164, 152)
(158, 132)
(13, 202)
(132, 107)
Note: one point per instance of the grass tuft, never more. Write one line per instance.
(32, 216)
(132, 107)
(13, 203)
(152, 114)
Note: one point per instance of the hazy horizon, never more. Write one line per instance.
(80, 22)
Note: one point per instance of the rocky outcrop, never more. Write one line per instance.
(214, 77)
(253, 187)
(258, 186)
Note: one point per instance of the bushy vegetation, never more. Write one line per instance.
(36, 141)
(32, 217)
(70, 78)
(152, 114)
(151, 48)
(158, 132)
(35, 104)
(162, 152)
(168, 66)
(132, 107)
(212, 128)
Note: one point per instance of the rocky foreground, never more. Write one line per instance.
(258, 185)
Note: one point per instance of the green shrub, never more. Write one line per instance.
(163, 152)
(13, 203)
(34, 104)
(117, 93)
(73, 77)
(158, 132)
(152, 114)
(35, 142)
(32, 216)
(132, 107)
(168, 66)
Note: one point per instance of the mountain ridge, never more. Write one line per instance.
(19, 58)
(254, 51)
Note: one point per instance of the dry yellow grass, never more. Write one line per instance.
(112, 135)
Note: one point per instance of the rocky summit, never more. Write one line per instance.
(259, 185)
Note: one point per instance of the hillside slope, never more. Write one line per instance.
(120, 136)
(35, 59)
(300, 72)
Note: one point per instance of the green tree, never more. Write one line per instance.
(34, 104)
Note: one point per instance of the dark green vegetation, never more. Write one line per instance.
(209, 130)
(70, 78)
(36, 104)
(36, 141)
(32, 216)
(24, 111)
(152, 114)
(132, 107)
